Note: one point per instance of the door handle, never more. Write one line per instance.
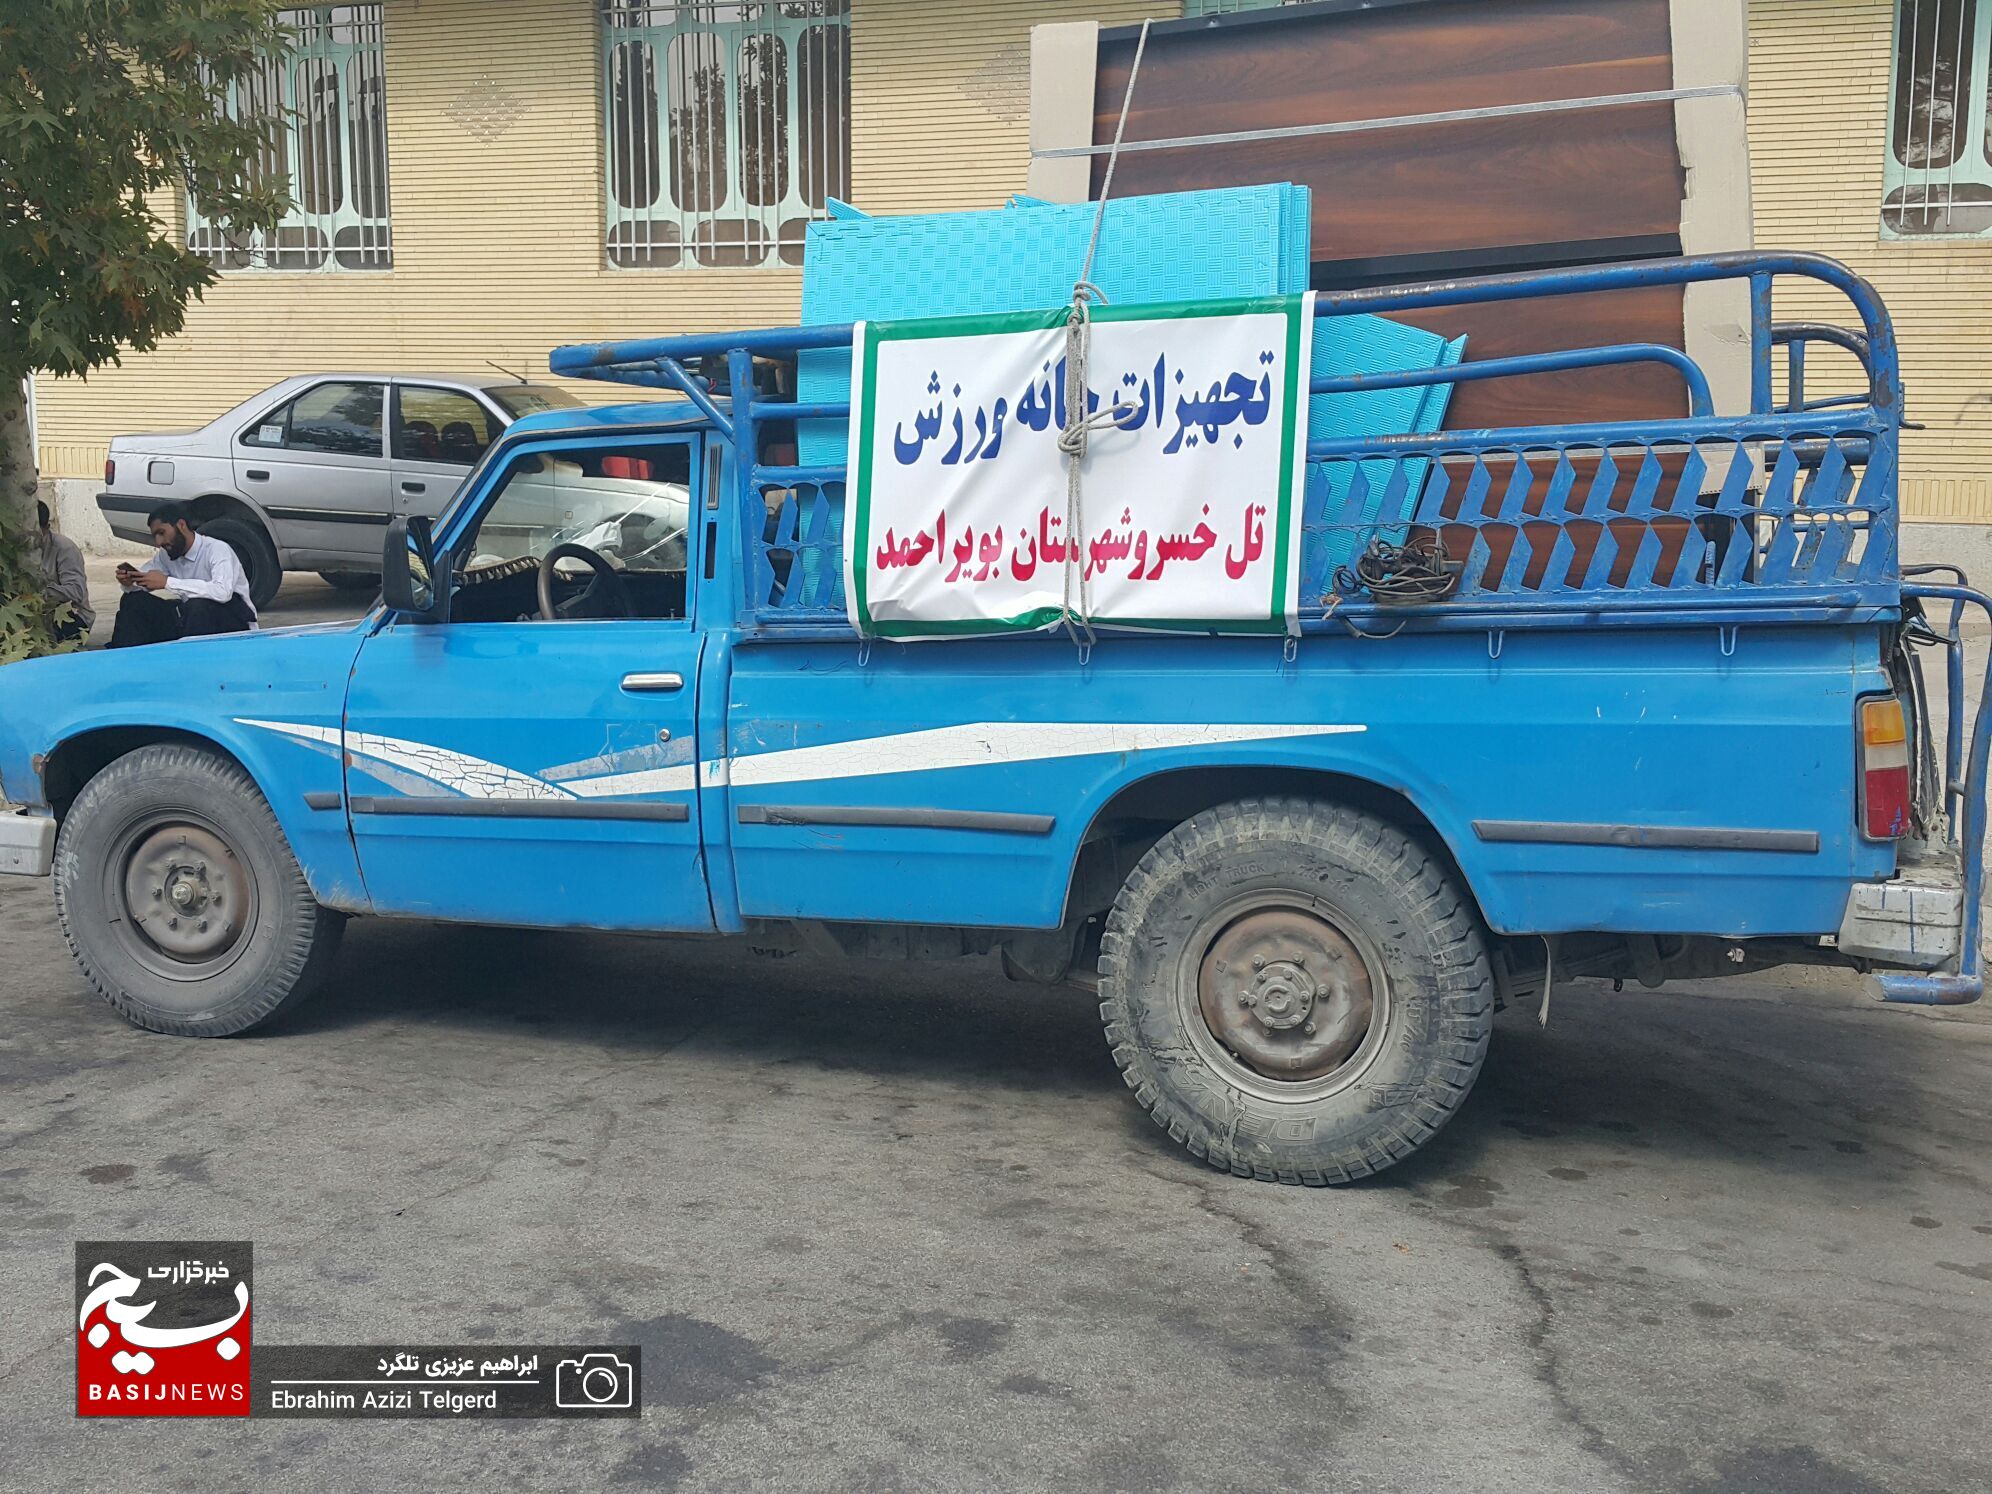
(660, 683)
(256, 474)
(414, 487)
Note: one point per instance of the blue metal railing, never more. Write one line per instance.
(1773, 513)
(1795, 338)
(1965, 806)
(1782, 512)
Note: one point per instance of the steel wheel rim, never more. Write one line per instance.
(1346, 1039)
(183, 904)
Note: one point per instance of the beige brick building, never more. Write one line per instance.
(1823, 159)
(541, 186)
(498, 141)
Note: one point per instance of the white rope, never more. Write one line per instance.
(1078, 422)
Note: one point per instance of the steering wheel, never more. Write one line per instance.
(606, 595)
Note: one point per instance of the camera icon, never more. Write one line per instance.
(594, 1382)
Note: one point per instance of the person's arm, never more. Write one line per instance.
(224, 577)
(71, 583)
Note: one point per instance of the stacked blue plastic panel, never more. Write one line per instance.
(1177, 246)
(1345, 499)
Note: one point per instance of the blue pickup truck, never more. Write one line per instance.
(1653, 705)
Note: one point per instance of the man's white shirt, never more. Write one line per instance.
(209, 569)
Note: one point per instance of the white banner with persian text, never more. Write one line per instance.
(1190, 502)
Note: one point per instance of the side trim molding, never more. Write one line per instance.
(524, 809)
(1645, 837)
(322, 799)
(1000, 821)
(331, 515)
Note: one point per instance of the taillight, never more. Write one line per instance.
(110, 473)
(1884, 769)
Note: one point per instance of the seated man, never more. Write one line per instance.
(63, 578)
(192, 585)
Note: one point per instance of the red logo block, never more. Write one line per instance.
(162, 1327)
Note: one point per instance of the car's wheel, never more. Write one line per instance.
(351, 580)
(258, 556)
(1295, 991)
(181, 900)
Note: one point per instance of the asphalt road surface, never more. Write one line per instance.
(901, 1227)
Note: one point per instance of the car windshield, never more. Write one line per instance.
(530, 399)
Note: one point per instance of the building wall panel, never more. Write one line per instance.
(1818, 131)
(495, 175)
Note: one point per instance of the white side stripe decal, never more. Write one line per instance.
(473, 777)
(975, 744)
(677, 780)
(988, 742)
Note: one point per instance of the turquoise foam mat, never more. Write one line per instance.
(1335, 503)
(1177, 246)
(1026, 256)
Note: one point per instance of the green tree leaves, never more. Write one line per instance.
(105, 105)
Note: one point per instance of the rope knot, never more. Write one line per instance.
(1076, 605)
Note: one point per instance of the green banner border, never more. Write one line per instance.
(857, 530)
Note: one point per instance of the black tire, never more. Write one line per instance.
(257, 554)
(351, 580)
(1402, 1034)
(179, 833)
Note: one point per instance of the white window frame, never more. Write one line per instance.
(670, 204)
(332, 94)
(1925, 196)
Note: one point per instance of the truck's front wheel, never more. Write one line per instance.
(180, 898)
(1295, 991)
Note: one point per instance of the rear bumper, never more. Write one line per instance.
(126, 515)
(27, 845)
(1915, 925)
(1914, 920)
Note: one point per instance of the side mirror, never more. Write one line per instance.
(412, 582)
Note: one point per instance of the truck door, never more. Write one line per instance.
(505, 768)
(438, 435)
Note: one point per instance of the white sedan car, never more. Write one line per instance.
(306, 475)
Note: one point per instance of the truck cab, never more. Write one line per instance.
(1669, 720)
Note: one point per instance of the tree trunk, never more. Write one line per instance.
(18, 475)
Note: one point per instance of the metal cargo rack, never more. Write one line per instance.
(1786, 513)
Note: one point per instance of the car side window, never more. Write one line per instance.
(441, 425)
(341, 418)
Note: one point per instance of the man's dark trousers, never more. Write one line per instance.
(147, 617)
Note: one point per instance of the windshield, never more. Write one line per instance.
(628, 505)
(530, 399)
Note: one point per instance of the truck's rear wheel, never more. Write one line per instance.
(1295, 991)
(180, 897)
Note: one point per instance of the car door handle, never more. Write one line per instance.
(414, 487)
(256, 474)
(653, 682)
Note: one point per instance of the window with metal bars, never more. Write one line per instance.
(331, 95)
(1228, 7)
(1937, 179)
(727, 128)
